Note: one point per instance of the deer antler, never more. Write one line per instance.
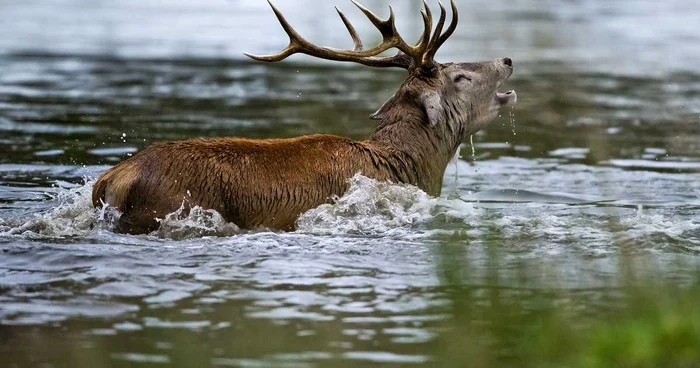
(408, 57)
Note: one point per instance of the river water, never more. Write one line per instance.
(591, 182)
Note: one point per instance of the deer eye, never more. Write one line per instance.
(461, 78)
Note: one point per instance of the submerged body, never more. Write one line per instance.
(251, 183)
(256, 183)
(269, 183)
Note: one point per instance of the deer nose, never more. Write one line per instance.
(507, 61)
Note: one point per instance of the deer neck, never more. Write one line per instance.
(416, 153)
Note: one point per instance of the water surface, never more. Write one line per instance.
(589, 185)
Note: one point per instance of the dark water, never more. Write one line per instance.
(587, 186)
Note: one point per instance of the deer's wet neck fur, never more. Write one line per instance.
(414, 151)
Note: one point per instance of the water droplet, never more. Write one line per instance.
(455, 184)
(471, 141)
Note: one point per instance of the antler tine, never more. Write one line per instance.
(388, 29)
(450, 30)
(433, 47)
(378, 22)
(441, 22)
(351, 29)
(427, 27)
(294, 40)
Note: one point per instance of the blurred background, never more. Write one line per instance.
(567, 235)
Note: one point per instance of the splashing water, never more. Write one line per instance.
(369, 207)
(644, 227)
(73, 215)
(194, 223)
(372, 207)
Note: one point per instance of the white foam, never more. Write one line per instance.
(195, 223)
(371, 207)
(73, 215)
(645, 225)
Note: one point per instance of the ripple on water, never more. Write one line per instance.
(38, 312)
(662, 165)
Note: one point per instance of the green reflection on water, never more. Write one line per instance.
(644, 322)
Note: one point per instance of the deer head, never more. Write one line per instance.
(454, 99)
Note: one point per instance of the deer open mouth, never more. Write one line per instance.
(507, 98)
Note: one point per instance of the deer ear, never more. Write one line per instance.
(432, 104)
(381, 113)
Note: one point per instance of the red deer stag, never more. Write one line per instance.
(270, 182)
